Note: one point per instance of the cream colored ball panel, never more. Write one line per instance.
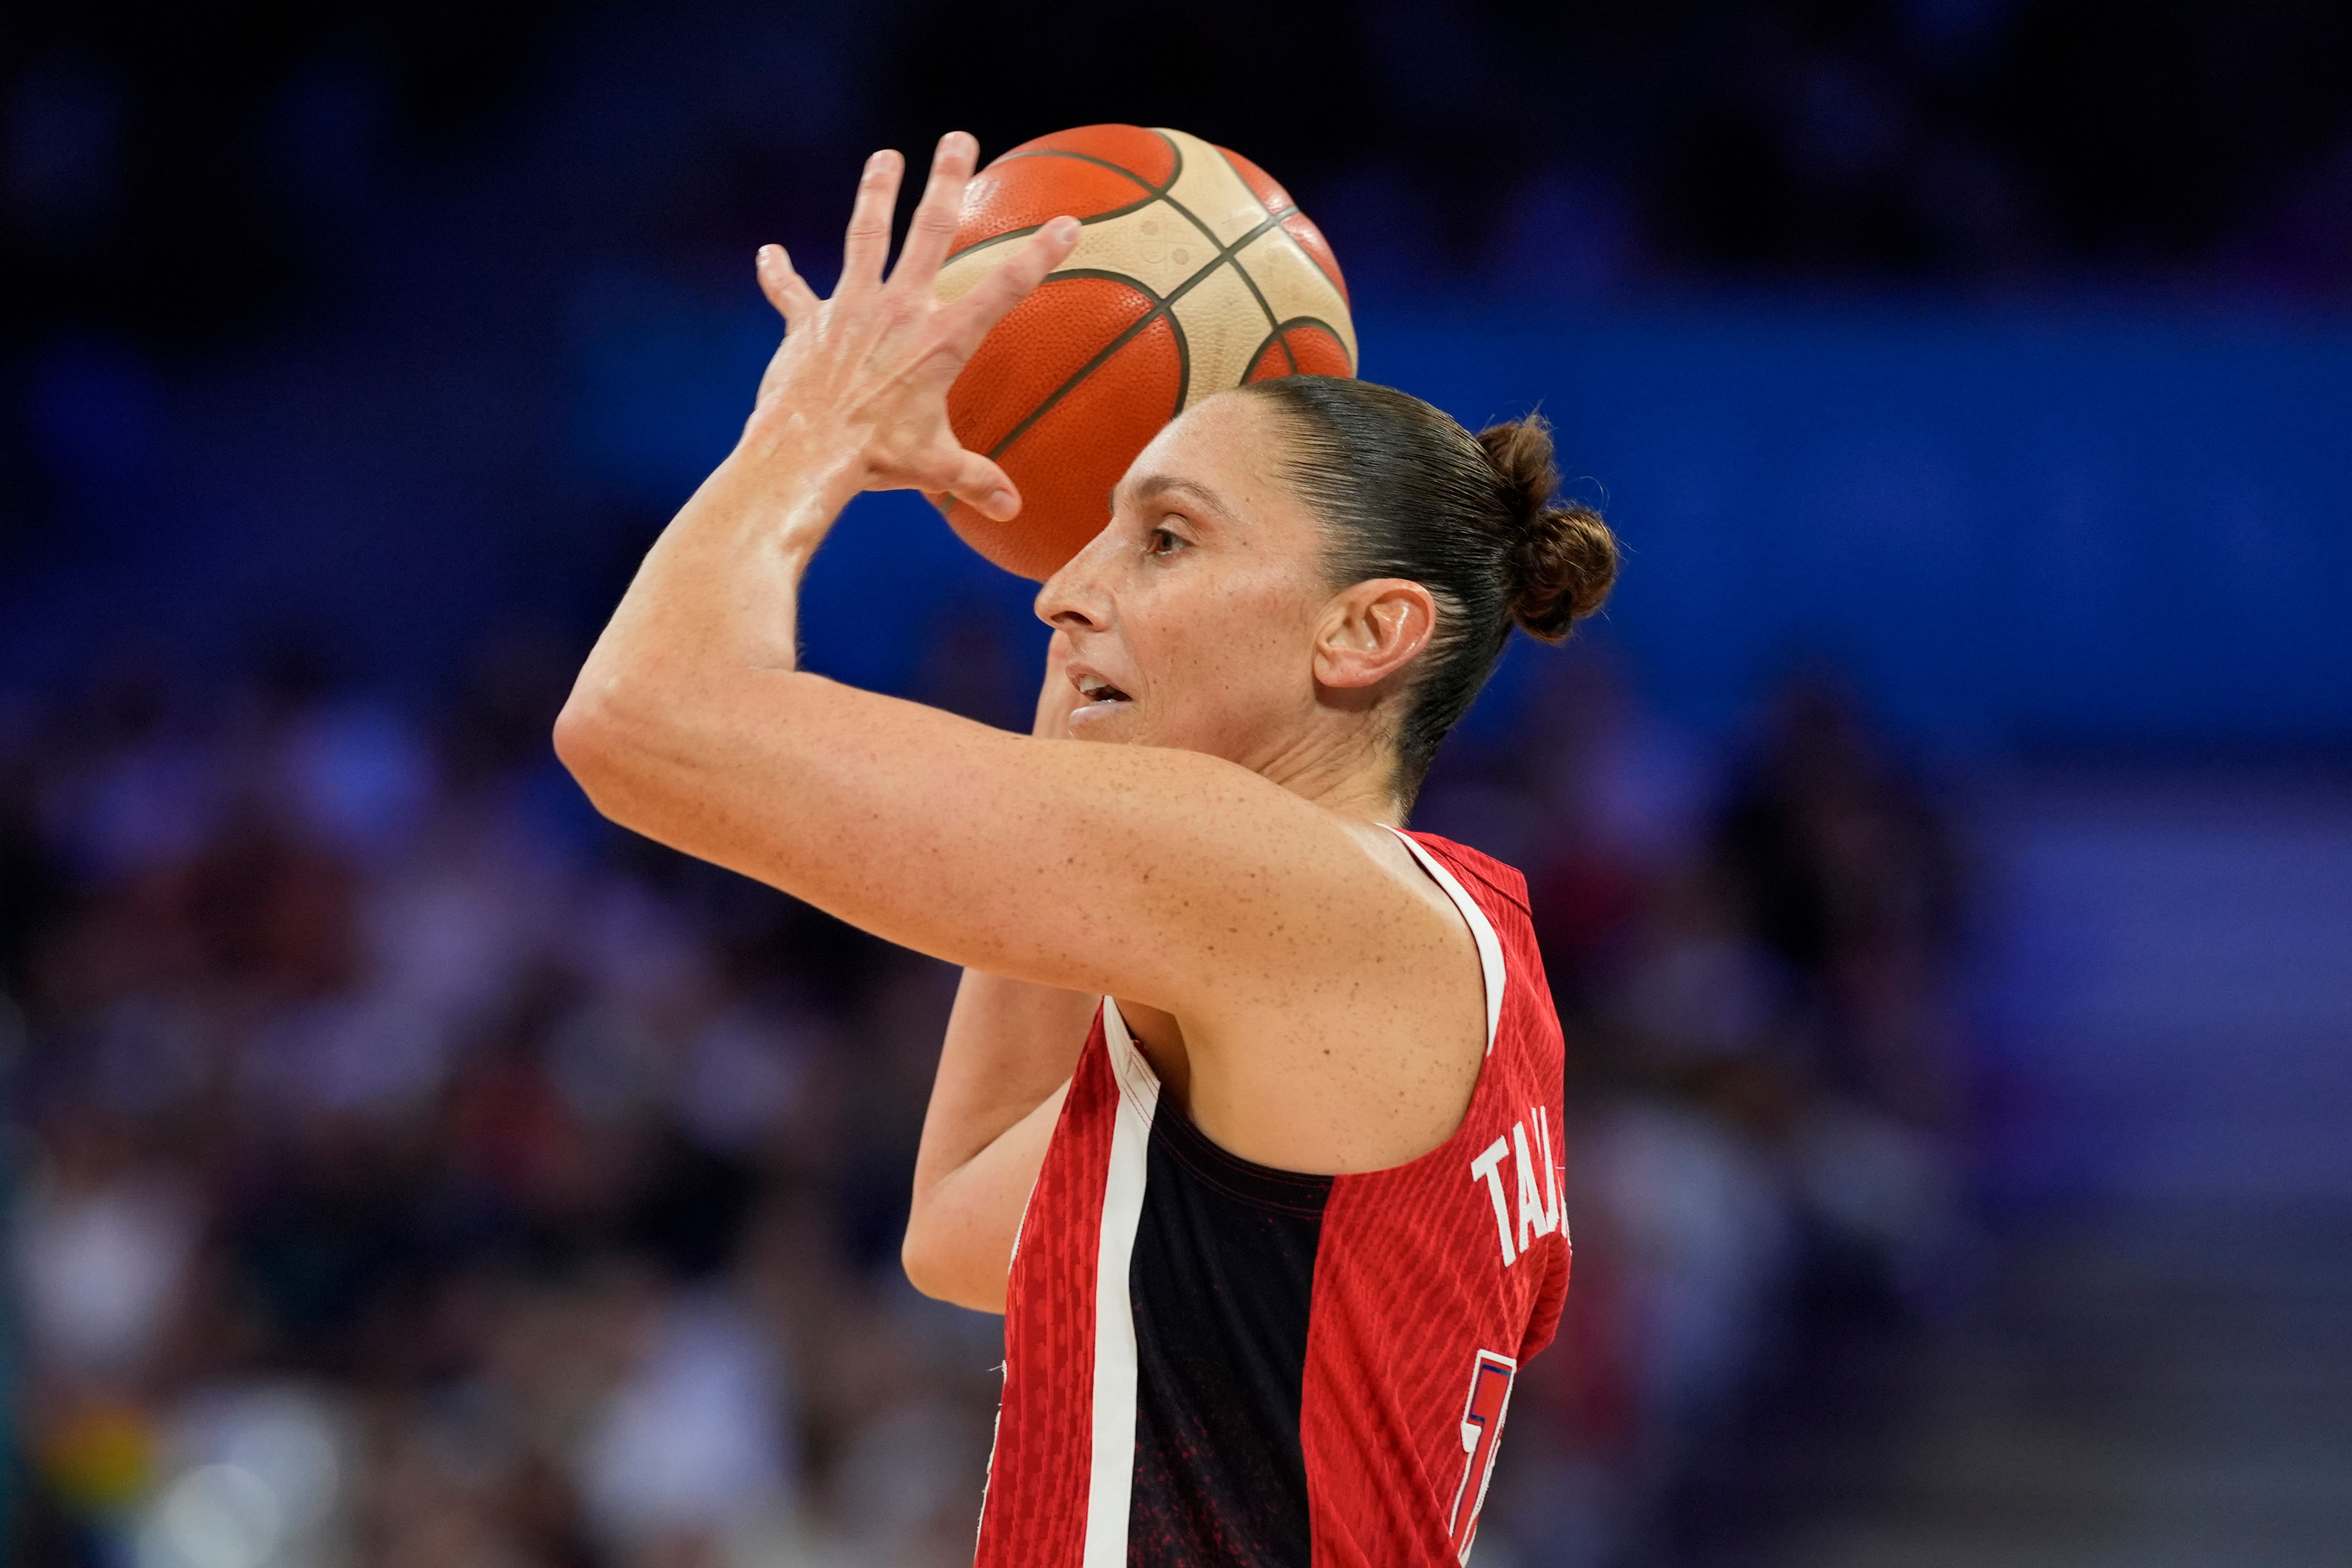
(1154, 245)
(1294, 286)
(956, 278)
(1223, 324)
(1210, 189)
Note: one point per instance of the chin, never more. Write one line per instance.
(1118, 724)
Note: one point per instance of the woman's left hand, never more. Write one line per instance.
(865, 375)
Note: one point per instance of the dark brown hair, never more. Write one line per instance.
(1407, 492)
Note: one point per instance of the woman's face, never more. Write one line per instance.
(1191, 616)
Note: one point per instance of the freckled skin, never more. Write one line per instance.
(1210, 849)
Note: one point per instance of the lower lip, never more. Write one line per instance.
(1090, 713)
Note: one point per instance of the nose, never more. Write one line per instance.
(1078, 597)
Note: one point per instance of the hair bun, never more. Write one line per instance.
(1563, 558)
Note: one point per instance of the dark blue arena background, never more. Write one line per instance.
(1942, 848)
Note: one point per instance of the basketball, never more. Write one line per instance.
(1194, 272)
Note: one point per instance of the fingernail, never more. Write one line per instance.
(1002, 505)
(1066, 228)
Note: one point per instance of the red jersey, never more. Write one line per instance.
(1210, 1362)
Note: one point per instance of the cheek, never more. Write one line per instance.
(1236, 641)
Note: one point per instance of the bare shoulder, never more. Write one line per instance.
(1363, 1063)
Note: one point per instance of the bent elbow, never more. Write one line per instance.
(922, 1264)
(580, 735)
(925, 1261)
(592, 742)
(940, 1267)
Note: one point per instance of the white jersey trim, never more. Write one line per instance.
(1482, 931)
(1111, 1480)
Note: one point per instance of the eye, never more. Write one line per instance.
(1164, 541)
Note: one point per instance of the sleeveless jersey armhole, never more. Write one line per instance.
(1482, 930)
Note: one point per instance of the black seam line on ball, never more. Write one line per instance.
(1271, 318)
(1262, 204)
(1183, 350)
(1175, 327)
(1283, 331)
(1211, 234)
(1272, 218)
(1099, 164)
(1168, 192)
(1183, 364)
(1126, 281)
(1225, 251)
(1152, 193)
(1127, 278)
(1289, 208)
(1277, 336)
(1288, 211)
(1165, 308)
(1296, 321)
(1116, 168)
(1161, 193)
(980, 245)
(1193, 218)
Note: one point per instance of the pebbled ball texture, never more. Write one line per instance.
(1194, 272)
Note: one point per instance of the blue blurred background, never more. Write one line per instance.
(1942, 850)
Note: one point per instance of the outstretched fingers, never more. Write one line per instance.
(867, 247)
(971, 317)
(789, 292)
(941, 209)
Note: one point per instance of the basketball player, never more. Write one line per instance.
(1248, 1115)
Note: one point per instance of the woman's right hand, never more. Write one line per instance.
(865, 375)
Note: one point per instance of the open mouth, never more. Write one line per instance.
(1095, 689)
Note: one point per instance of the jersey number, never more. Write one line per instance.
(1482, 1431)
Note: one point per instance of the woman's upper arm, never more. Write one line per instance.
(1167, 877)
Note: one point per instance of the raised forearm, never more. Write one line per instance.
(962, 1230)
(1011, 1047)
(707, 630)
(716, 595)
(1010, 1044)
(854, 399)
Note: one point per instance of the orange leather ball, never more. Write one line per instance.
(1194, 272)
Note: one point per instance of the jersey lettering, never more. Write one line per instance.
(1538, 1195)
(1252, 1363)
(1533, 1220)
(1551, 1168)
(1489, 1167)
(1481, 1432)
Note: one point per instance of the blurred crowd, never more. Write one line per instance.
(404, 1168)
(414, 1171)
(1756, 948)
(1560, 151)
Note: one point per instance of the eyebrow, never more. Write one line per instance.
(1156, 484)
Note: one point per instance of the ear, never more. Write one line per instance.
(1370, 630)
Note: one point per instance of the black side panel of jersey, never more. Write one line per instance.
(1222, 1280)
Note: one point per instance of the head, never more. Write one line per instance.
(1313, 576)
